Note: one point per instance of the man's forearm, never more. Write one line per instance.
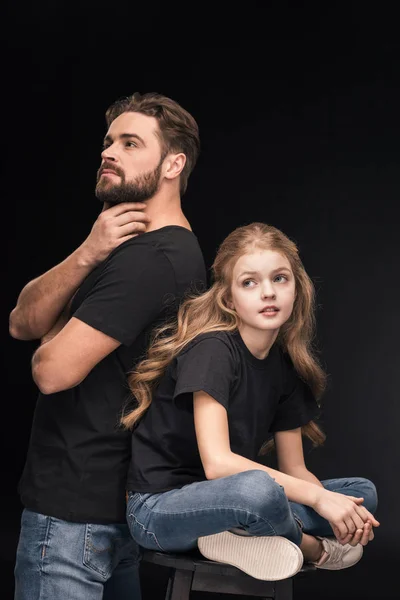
(57, 327)
(43, 299)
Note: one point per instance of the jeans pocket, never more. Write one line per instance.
(100, 550)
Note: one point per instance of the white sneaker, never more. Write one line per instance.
(268, 558)
(336, 556)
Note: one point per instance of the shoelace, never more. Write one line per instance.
(335, 550)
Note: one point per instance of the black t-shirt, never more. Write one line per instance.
(260, 397)
(78, 454)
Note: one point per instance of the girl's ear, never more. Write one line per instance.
(230, 304)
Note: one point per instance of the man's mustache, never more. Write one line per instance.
(108, 167)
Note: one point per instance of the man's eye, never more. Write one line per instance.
(131, 144)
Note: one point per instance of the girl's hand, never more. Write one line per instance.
(345, 514)
(361, 536)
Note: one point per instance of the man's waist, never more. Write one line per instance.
(77, 510)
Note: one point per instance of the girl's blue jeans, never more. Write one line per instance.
(172, 521)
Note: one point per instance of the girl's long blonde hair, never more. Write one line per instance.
(210, 312)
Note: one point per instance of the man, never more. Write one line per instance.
(93, 313)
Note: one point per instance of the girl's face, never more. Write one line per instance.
(262, 291)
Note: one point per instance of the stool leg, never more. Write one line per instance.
(284, 589)
(179, 585)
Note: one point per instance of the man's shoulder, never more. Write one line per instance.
(172, 239)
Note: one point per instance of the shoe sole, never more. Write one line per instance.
(267, 558)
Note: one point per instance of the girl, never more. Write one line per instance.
(237, 365)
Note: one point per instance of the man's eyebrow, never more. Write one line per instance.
(124, 136)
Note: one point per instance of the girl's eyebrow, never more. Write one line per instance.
(278, 269)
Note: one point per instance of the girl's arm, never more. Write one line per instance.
(290, 455)
(212, 432)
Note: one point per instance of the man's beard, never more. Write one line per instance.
(142, 188)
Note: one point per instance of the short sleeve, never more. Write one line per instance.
(296, 408)
(207, 365)
(133, 289)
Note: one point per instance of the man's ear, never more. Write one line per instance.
(173, 165)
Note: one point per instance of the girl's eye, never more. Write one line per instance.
(280, 278)
(248, 283)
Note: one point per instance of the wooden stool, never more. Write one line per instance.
(191, 571)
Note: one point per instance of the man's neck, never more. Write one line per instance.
(164, 211)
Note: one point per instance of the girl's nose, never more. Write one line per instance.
(267, 290)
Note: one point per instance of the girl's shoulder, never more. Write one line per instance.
(215, 341)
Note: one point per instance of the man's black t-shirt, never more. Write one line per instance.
(260, 397)
(78, 454)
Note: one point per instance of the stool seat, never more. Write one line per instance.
(190, 571)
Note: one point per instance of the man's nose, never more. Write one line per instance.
(109, 154)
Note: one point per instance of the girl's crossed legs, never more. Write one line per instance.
(173, 521)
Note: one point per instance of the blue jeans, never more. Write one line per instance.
(59, 560)
(173, 521)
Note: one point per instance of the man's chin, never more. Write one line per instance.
(107, 193)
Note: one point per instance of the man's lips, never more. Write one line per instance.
(108, 172)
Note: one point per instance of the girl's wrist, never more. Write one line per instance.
(316, 493)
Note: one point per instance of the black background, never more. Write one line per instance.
(298, 109)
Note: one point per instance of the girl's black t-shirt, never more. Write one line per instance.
(260, 397)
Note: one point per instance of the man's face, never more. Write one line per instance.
(131, 160)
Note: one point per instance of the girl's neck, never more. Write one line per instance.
(258, 342)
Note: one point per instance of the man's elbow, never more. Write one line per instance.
(44, 381)
(13, 328)
(16, 330)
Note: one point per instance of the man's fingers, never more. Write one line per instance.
(131, 216)
(131, 228)
(126, 238)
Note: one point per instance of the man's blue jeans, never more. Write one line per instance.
(173, 521)
(59, 560)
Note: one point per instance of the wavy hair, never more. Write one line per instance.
(209, 312)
